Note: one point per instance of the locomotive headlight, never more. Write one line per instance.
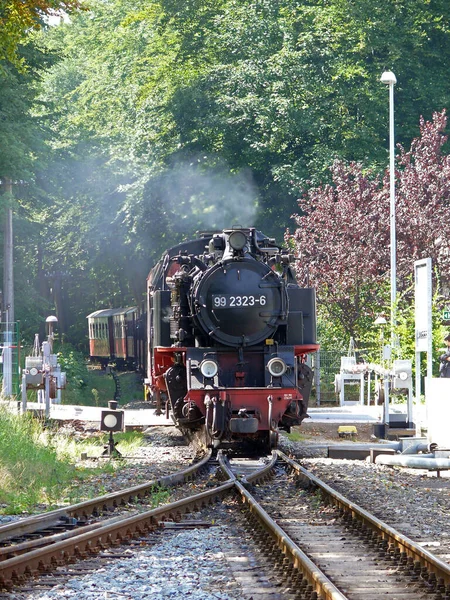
(277, 367)
(209, 368)
(237, 240)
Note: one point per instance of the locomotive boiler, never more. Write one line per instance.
(229, 331)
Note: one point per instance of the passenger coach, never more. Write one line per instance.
(112, 336)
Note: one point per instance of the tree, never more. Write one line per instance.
(341, 241)
(342, 235)
(18, 17)
(278, 89)
(285, 89)
(24, 137)
(162, 111)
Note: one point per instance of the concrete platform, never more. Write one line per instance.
(346, 414)
(63, 412)
(146, 416)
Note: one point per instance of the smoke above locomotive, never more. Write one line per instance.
(229, 331)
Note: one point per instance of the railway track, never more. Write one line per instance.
(35, 544)
(329, 548)
(316, 543)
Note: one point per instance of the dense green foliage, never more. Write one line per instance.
(163, 117)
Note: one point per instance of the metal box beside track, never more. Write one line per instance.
(34, 376)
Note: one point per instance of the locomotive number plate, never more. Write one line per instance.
(229, 301)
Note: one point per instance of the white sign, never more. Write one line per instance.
(422, 280)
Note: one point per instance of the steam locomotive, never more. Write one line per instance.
(229, 331)
(227, 335)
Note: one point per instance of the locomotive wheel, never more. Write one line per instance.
(270, 440)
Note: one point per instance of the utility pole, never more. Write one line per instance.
(8, 279)
(8, 292)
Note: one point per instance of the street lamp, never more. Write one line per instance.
(389, 79)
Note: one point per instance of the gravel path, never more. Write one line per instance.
(189, 564)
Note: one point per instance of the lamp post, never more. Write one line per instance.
(389, 79)
(51, 320)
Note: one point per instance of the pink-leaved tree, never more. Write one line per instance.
(342, 235)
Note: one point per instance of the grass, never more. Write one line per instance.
(98, 387)
(30, 471)
(39, 465)
(91, 386)
(294, 436)
(38, 469)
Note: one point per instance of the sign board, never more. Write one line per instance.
(423, 320)
(422, 280)
(446, 315)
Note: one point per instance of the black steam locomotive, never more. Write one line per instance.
(229, 331)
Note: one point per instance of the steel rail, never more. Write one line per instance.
(16, 549)
(318, 581)
(87, 508)
(262, 473)
(111, 532)
(421, 557)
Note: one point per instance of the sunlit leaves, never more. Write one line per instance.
(18, 17)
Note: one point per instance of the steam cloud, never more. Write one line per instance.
(205, 197)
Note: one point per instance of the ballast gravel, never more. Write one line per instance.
(415, 502)
(190, 564)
